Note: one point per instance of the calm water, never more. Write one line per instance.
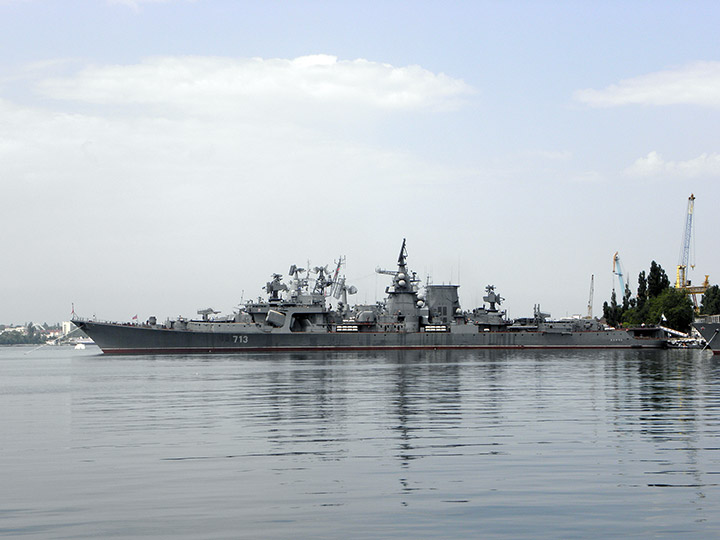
(373, 445)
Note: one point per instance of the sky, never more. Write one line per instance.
(159, 157)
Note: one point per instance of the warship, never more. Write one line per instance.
(299, 316)
(709, 328)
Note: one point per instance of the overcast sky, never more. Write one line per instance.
(157, 157)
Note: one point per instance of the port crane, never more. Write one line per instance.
(590, 300)
(681, 280)
(617, 270)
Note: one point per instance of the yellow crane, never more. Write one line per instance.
(681, 280)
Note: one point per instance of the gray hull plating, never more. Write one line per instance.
(710, 331)
(128, 339)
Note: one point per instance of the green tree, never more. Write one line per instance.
(17, 338)
(711, 301)
(671, 308)
(656, 303)
(636, 315)
(10, 338)
(612, 313)
(626, 298)
(657, 280)
(642, 290)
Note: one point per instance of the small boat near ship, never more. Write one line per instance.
(298, 317)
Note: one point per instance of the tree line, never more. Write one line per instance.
(656, 302)
(31, 335)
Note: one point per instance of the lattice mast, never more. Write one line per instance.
(681, 279)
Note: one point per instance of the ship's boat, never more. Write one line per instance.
(298, 317)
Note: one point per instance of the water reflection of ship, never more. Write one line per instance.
(427, 390)
(429, 408)
(669, 395)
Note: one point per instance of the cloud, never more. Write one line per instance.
(99, 152)
(231, 85)
(166, 118)
(655, 165)
(140, 165)
(697, 83)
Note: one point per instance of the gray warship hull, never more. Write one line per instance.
(298, 317)
(710, 331)
(136, 339)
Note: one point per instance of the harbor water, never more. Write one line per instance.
(476, 444)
